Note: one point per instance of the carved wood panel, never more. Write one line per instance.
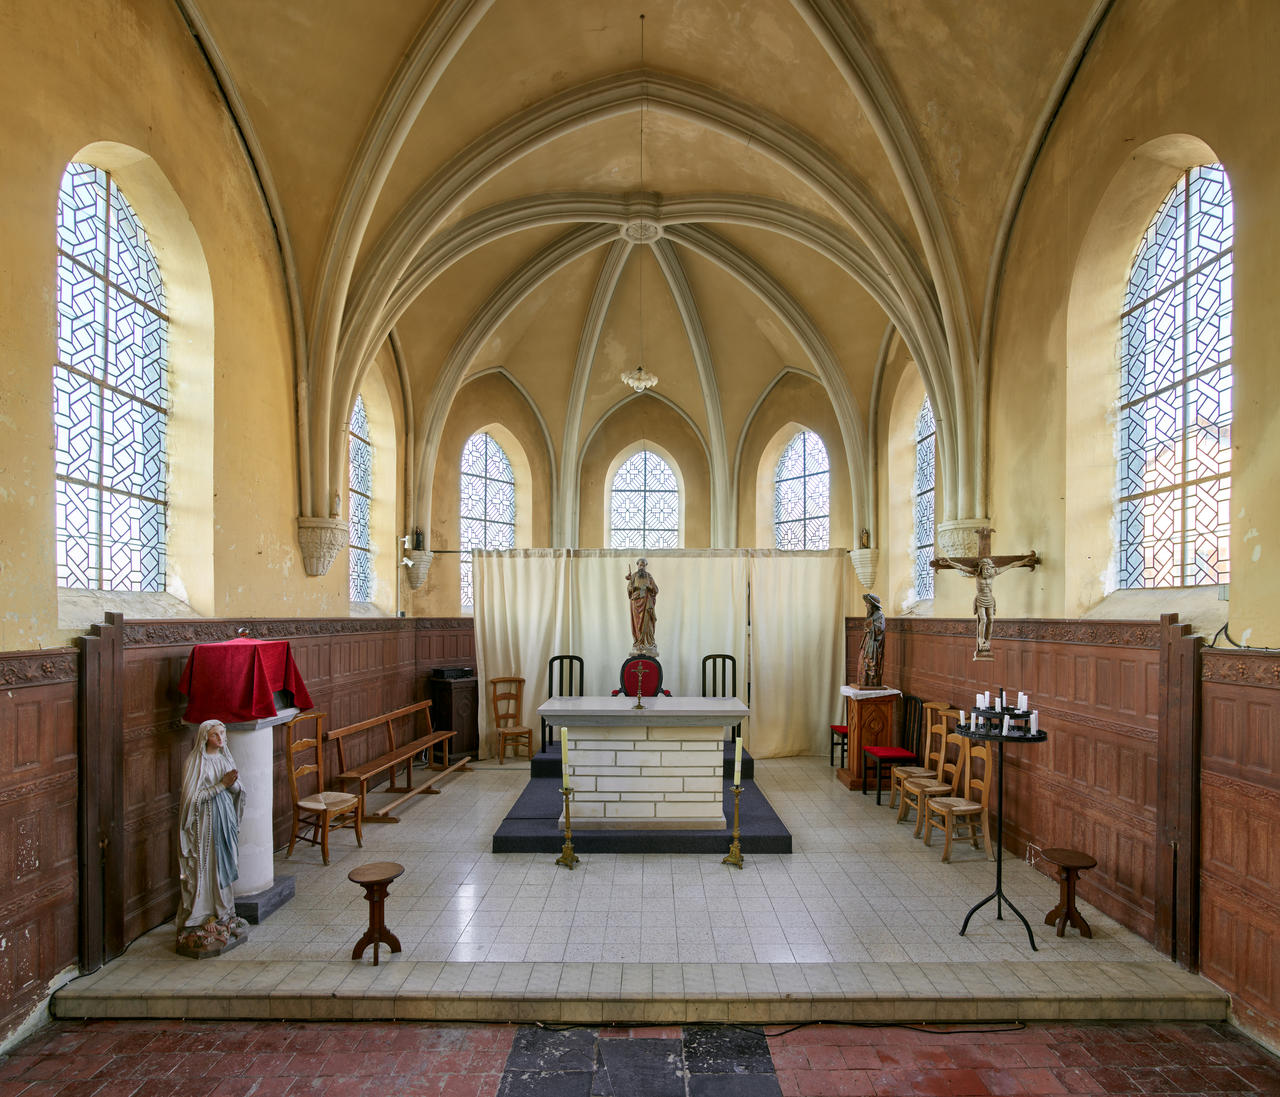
(1240, 816)
(1092, 785)
(38, 841)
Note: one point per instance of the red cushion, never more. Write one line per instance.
(841, 729)
(889, 754)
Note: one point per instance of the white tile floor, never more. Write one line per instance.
(860, 922)
(858, 888)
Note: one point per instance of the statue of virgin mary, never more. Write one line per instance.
(209, 817)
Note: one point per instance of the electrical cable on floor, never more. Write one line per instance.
(940, 1028)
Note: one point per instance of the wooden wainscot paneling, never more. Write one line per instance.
(355, 668)
(1240, 818)
(1093, 785)
(38, 826)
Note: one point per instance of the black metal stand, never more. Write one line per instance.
(998, 895)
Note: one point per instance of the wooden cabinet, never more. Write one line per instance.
(870, 721)
(454, 707)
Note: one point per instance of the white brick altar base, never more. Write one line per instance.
(659, 767)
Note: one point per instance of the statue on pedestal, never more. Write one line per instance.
(643, 592)
(209, 815)
(871, 653)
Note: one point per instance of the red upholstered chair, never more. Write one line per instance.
(629, 679)
(889, 760)
(840, 738)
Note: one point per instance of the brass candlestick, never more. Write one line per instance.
(567, 857)
(639, 685)
(735, 850)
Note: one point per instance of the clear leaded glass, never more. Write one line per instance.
(644, 504)
(487, 510)
(802, 495)
(926, 476)
(110, 391)
(1175, 392)
(359, 497)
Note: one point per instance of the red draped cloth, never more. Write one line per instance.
(234, 681)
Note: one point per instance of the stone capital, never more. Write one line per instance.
(320, 540)
(865, 562)
(960, 537)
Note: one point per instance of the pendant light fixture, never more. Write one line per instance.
(640, 378)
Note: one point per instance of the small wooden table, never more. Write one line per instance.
(1070, 862)
(375, 879)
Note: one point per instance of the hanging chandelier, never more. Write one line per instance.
(640, 378)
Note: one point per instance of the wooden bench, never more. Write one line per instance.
(393, 757)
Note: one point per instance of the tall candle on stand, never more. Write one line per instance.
(1035, 722)
(564, 757)
(737, 762)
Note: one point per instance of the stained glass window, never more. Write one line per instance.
(487, 504)
(644, 504)
(802, 495)
(926, 457)
(359, 496)
(110, 392)
(1175, 392)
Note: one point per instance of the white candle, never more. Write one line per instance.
(1035, 722)
(999, 704)
(977, 701)
(564, 756)
(1005, 729)
(1022, 702)
(737, 761)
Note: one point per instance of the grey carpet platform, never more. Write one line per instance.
(533, 823)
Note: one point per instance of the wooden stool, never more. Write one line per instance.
(1070, 863)
(375, 879)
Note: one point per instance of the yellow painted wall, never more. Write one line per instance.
(74, 74)
(1148, 78)
(490, 402)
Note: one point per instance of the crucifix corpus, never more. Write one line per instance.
(984, 567)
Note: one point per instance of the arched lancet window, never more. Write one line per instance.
(1175, 392)
(110, 392)
(802, 495)
(487, 498)
(923, 535)
(359, 498)
(644, 504)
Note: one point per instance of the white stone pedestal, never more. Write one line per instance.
(252, 745)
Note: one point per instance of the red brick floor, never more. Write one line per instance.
(239, 1059)
(1134, 1058)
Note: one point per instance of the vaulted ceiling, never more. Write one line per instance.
(469, 176)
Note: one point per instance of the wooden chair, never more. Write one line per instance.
(319, 810)
(949, 813)
(506, 698)
(720, 679)
(916, 790)
(934, 735)
(565, 674)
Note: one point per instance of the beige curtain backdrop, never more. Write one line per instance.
(519, 597)
(797, 650)
(531, 604)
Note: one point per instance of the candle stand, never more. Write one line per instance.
(567, 857)
(989, 724)
(734, 856)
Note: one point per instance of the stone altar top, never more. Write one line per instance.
(621, 711)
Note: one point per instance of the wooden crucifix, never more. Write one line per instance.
(984, 567)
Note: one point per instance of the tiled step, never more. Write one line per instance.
(611, 993)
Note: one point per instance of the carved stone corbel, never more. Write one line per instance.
(865, 562)
(321, 539)
(419, 564)
(960, 537)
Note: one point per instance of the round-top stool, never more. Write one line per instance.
(1070, 862)
(375, 879)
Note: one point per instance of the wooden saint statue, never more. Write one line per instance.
(871, 653)
(984, 567)
(643, 594)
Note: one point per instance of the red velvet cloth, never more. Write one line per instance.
(233, 681)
